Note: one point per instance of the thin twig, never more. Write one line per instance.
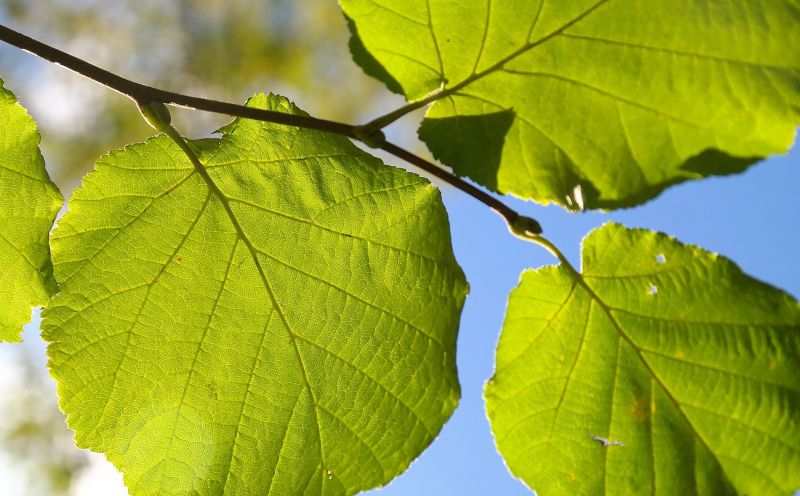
(142, 95)
(511, 216)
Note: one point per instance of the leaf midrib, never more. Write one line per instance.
(201, 170)
(618, 327)
(475, 76)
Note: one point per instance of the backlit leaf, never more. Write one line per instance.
(684, 365)
(29, 202)
(590, 103)
(285, 326)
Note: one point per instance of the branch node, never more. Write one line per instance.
(156, 114)
(525, 227)
(373, 138)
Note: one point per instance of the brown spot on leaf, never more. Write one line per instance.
(639, 409)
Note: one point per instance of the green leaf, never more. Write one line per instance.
(29, 202)
(596, 104)
(670, 350)
(285, 325)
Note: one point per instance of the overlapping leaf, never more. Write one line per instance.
(685, 366)
(29, 202)
(595, 103)
(286, 326)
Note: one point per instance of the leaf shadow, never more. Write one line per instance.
(471, 144)
(367, 62)
(712, 162)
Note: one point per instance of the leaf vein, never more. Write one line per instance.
(373, 380)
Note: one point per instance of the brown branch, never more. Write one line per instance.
(142, 95)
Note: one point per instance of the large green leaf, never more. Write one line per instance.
(689, 364)
(595, 103)
(29, 202)
(286, 325)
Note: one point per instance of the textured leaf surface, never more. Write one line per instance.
(670, 350)
(619, 98)
(29, 202)
(287, 327)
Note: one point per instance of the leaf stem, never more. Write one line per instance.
(553, 249)
(144, 95)
(384, 120)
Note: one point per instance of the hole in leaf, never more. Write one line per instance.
(574, 199)
(652, 290)
(660, 258)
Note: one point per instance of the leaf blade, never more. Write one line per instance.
(263, 345)
(29, 202)
(697, 379)
(617, 99)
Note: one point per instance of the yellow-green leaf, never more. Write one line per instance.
(659, 369)
(29, 202)
(284, 324)
(590, 103)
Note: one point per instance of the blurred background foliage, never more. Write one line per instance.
(220, 49)
(38, 453)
